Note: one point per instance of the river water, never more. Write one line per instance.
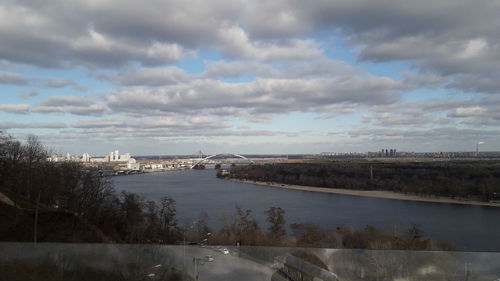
(473, 228)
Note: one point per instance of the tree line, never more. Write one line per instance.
(470, 180)
(58, 188)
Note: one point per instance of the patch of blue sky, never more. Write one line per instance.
(423, 94)
(196, 63)
(336, 47)
(10, 93)
(10, 117)
(393, 70)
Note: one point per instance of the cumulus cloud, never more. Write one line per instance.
(101, 49)
(43, 34)
(235, 43)
(262, 96)
(445, 38)
(114, 33)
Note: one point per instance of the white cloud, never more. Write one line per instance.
(15, 108)
(468, 111)
(236, 43)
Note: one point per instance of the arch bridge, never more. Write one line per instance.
(218, 155)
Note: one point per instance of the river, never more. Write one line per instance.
(473, 228)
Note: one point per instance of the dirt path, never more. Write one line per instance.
(372, 193)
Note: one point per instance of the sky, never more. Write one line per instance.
(156, 77)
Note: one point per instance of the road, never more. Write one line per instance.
(105, 256)
(224, 267)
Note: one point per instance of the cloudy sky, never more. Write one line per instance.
(177, 76)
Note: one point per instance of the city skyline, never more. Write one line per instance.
(251, 77)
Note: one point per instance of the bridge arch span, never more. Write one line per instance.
(220, 154)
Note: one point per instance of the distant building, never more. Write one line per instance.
(124, 157)
(86, 157)
(388, 153)
(115, 156)
(133, 166)
(99, 160)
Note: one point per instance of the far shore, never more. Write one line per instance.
(371, 193)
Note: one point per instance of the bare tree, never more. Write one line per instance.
(168, 220)
(276, 219)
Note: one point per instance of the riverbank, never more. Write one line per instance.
(370, 193)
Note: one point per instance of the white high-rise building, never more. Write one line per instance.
(125, 157)
(86, 157)
(115, 156)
